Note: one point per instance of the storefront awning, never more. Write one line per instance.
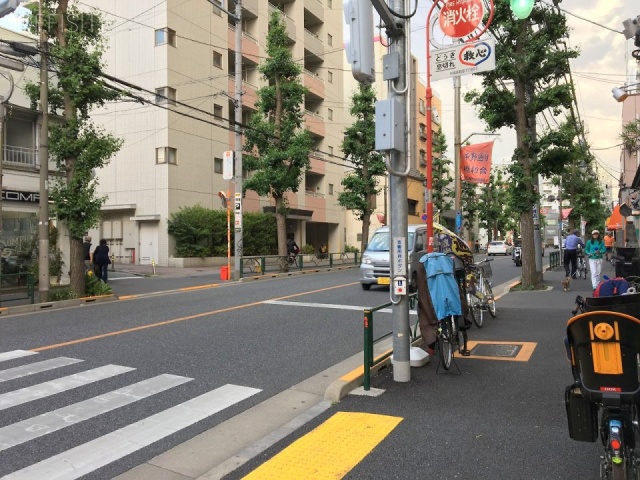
(616, 220)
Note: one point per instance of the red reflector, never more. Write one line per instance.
(615, 444)
(610, 389)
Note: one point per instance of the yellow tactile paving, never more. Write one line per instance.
(331, 450)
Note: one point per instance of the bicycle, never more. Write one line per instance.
(582, 269)
(479, 292)
(603, 351)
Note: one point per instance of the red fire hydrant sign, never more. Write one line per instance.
(459, 18)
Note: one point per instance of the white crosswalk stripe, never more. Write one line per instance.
(92, 455)
(33, 368)
(4, 356)
(99, 452)
(46, 389)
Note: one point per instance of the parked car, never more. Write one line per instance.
(375, 268)
(499, 247)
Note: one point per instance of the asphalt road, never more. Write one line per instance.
(170, 345)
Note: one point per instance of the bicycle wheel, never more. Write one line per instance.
(445, 343)
(491, 303)
(477, 315)
(584, 270)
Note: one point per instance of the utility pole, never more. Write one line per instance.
(43, 157)
(457, 146)
(238, 146)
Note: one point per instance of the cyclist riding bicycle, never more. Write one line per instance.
(292, 249)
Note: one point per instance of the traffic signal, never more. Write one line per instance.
(522, 8)
(359, 16)
(594, 200)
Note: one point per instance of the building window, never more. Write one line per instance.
(217, 4)
(330, 77)
(330, 3)
(165, 95)
(217, 111)
(217, 165)
(331, 189)
(330, 114)
(330, 39)
(423, 131)
(217, 59)
(165, 36)
(166, 155)
(330, 150)
(421, 106)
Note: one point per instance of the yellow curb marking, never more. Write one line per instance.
(200, 287)
(524, 355)
(356, 372)
(331, 450)
(179, 319)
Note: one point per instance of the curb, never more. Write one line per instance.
(341, 387)
(267, 276)
(37, 307)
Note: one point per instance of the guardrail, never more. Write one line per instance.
(17, 286)
(266, 264)
(554, 260)
(369, 361)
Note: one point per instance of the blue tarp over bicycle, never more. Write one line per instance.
(442, 284)
(440, 294)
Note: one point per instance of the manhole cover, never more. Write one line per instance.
(496, 350)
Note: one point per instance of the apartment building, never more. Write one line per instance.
(417, 151)
(20, 165)
(183, 54)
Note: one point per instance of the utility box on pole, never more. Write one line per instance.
(390, 128)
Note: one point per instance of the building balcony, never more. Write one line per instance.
(20, 156)
(250, 8)
(313, 12)
(250, 49)
(314, 123)
(314, 46)
(289, 24)
(249, 92)
(315, 84)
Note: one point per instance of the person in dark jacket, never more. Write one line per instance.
(101, 260)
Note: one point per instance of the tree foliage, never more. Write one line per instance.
(442, 180)
(360, 186)
(471, 206)
(494, 213)
(276, 134)
(202, 232)
(532, 61)
(75, 50)
(630, 135)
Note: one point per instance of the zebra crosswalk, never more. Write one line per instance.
(101, 451)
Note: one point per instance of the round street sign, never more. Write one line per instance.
(459, 18)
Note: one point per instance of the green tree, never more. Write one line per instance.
(442, 179)
(630, 136)
(531, 63)
(275, 131)
(75, 49)
(469, 199)
(361, 184)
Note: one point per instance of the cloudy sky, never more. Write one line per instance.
(603, 64)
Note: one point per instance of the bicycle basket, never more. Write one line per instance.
(486, 269)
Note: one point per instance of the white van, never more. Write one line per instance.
(374, 269)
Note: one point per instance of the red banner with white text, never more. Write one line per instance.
(475, 162)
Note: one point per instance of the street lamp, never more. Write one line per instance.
(620, 94)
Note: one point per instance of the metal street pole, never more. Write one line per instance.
(238, 144)
(560, 218)
(457, 145)
(398, 220)
(43, 157)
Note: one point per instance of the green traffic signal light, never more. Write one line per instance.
(593, 200)
(522, 8)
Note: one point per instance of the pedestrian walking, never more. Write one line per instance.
(608, 243)
(101, 260)
(594, 250)
(86, 246)
(571, 253)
